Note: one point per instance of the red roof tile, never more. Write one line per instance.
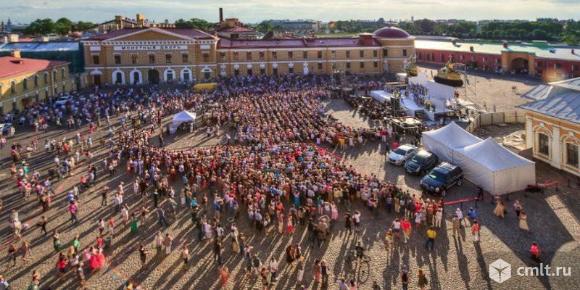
(12, 66)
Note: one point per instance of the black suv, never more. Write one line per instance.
(442, 177)
(421, 162)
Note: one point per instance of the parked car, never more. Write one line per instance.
(5, 129)
(401, 154)
(442, 177)
(421, 162)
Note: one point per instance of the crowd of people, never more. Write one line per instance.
(276, 175)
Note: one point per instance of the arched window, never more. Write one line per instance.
(543, 144)
(136, 77)
(186, 76)
(118, 77)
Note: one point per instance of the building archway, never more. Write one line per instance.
(153, 76)
(186, 75)
(169, 75)
(206, 73)
(136, 77)
(520, 65)
(96, 78)
(118, 77)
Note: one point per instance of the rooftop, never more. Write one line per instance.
(295, 43)
(187, 32)
(13, 66)
(540, 49)
(41, 46)
(559, 100)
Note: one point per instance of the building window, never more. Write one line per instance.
(236, 55)
(63, 73)
(319, 54)
(117, 59)
(222, 55)
(291, 70)
(54, 76)
(361, 53)
(205, 57)
(186, 77)
(185, 58)
(275, 71)
(362, 64)
(305, 54)
(236, 72)
(274, 55)
(385, 52)
(404, 52)
(543, 144)
(249, 72)
(290, 55)
(348, 65)
(35, 81)
(557, 65)
(168, 58)
(320, 66)
(375, 53)
(572, 155)
(45, 78)
(169, 76)
(151, 59)
(376, 64)
(347, 54)
(249, 55)
(63, 88)
(96, 59)
(262, 55)
(262, 71)
(25, 84)
(133, 59)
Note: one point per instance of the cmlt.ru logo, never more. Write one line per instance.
(500, 271)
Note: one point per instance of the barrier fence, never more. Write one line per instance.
(486, 119)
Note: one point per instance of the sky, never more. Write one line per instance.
(253, 11)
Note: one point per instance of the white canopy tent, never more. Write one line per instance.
(495, 168)
(381, 96)
(180, 118)
(445, 140)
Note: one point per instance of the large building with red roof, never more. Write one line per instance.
(156, 55)
(24, 81)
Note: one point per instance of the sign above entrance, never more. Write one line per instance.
(148, 47)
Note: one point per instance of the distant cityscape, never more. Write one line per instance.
(546, 29)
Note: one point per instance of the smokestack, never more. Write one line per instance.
(221, 15)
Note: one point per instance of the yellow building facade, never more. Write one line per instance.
(24, 81)
(158, 55)
(553, 124)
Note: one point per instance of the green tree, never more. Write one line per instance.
(40, 27)
(82, 26)
(63, 26)
(264, 26)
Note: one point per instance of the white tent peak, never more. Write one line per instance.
(452, 135)
(493, 155)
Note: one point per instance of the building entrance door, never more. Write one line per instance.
(97, 80)
(153, 76)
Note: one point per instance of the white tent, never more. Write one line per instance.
(445, 140)
(495, 168)
(381, 96)
(182, 117)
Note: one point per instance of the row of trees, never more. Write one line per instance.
(194, 23)
(61, 26)
(541, 29)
